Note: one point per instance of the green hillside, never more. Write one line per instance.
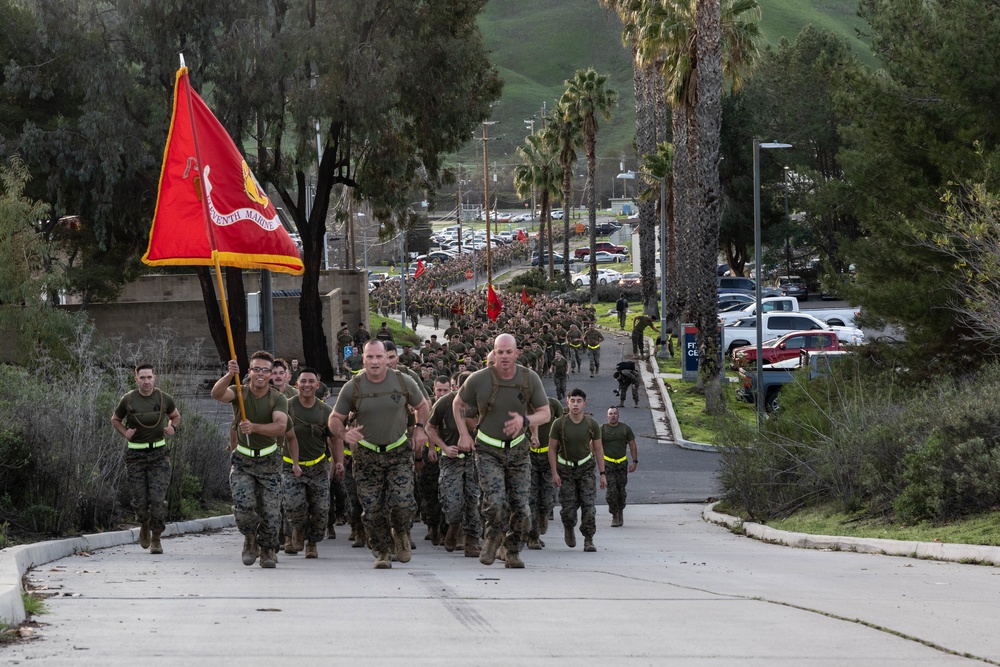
(538, 45)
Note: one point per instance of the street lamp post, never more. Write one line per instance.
(629, 176)
(760, 270)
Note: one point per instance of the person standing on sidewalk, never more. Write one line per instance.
(616, 436)
(144, 417)
(574, 451)
(593, 338)
(255, 475)
(510, 400)
(383, 465)
(307, 495)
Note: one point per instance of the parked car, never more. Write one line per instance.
(793, 286)
(557, 214)
(603, 257)
(604, 277)
(604, 228)
(742, 284)
(580, 253)
(744, 330)
(788, 346)
(557, 259)
(729, 301)
(812, 365)
(441, 255)
(629, 280)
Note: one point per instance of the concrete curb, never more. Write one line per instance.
(674, 426)
(15, 561)
(957, 553)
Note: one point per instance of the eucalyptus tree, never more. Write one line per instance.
(540, 172)
(588, 97)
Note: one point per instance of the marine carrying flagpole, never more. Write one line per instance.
(211, 236)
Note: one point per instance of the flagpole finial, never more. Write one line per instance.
(183, 64)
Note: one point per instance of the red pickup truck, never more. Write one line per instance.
(601, 245)
(787, 347)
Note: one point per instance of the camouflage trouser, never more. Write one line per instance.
(148, 472)
(256, 487)
(505, 484)
(579, 491)
(385, 490)
(351, 490)
(638, 343)
(458, 488)
(437, 321)
(595, 358)
(427, 487)
(623, 391)
(575, 362)
(307, 498)
(540, 499)
(339, 504)
(617, 476)
(560, 381)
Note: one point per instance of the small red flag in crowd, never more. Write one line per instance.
(521, 236)
(493, 305)
(459, 309)
(420, 269)
(526, 298)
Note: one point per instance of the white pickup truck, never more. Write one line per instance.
(744, 330)
(789, 304)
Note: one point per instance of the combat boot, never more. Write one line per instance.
(290, 547)
(155, 547)
(514, 560)
(384, 560)
(311, 551)
(502, 553)
(451, 537)
(298, 540)
(401, 540)
(250, 550)
(616, 520)
(144, 535)
(570, 535)
(534, 543)
(268, 558)
(488, 554)
(588, 544)
(471, 547)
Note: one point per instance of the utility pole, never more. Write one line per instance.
(531, 127)
(486, 196)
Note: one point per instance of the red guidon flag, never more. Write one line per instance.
(459, 309)
(420, 269)
(526, 298)
(209, 203)
(521, 236)
(493, 305)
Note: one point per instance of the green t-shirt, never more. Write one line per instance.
(640, 324)
(443, 419)
(258, 411)
(574, 440)
(593, 337)
(615, 439)
(310, 426)
(381, 407)
(559, 367)
(510, 398)
(556, 410)
(148, 414)
(355, 363)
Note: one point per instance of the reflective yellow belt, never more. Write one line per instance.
(593, 347)
(353, 372)
(611, 460)
(539, 450)
(305, 463)
(382, 449)
(574, 464)
(504, 444)
(146, 445)
(257, 453)
(347, 452)
(574, 344)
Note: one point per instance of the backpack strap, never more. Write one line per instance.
(130, 412)
(358, 395)
(525, 387)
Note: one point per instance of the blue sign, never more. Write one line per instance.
(689, 348)
(348, 351)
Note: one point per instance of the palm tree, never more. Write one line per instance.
(587, 97)
(539, 170)
(650, 130)
(693, 68)
(563, 133)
